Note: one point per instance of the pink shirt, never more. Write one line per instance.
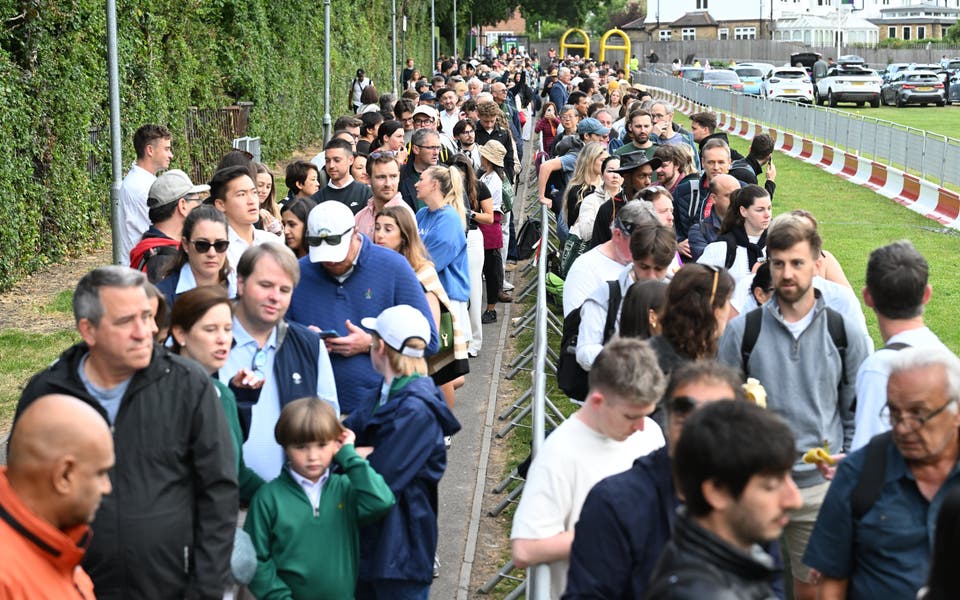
(366, 219)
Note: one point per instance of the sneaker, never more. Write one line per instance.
(507, 286)
(436, 566)
(447, 441)
(488, 316)
(472, 353)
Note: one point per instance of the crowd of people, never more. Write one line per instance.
(262, 400)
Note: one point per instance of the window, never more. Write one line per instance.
(921, 32)
(724, 33)
(688, 33)
(665, 35)
(701, 4)
(891, 32)
(745, 33)
(907, 32)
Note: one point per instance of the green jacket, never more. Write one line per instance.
(305, 555)
(248, 481)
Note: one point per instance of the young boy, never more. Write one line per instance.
(304, 524)
(405, 429)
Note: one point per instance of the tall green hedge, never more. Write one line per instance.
(174, 54)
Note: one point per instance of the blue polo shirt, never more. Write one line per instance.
(886, 554)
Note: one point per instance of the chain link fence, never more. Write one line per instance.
(930, 156)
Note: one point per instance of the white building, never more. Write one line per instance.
(668, 11)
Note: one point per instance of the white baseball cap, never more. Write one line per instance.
(330, 227)
(398, 325)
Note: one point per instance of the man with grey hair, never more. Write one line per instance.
(281, 361)
(425, 148)
(167, 529)
(665, 131)
(875, 530)
(897, 289)
(558, 91)
(474, 88)
(604, 437)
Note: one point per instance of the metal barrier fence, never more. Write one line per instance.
(931, 156)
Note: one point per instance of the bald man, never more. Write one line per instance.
(707, 229)
(58, 461)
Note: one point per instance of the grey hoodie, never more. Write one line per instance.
(802, 378)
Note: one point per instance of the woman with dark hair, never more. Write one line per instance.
(302, 179)
(642, 309)
(694, 317)
(368, 131)
(369, 100)
(202, 259)
(201, 329)
(742, 243)
(752, 292)
(390, 139)
(479, 212)
(294, 218)
(547, 125)
(944, 581)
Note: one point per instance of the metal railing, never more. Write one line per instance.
(931, 156)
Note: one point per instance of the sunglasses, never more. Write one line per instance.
(203, 246)
(326, 238)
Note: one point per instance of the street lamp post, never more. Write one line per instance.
(326, 71)
(393, 24)
(116, 145)
(433, 35)
(454, 28)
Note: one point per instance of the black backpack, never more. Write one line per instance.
(528, 237)
(571, 378)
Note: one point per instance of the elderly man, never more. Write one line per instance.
(346, 278)
(666, 132)
(167, 529)
(57, 470)
(602, 438)
(875, 530)
(705, 231)
(425, 151)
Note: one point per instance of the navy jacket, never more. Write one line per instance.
(624, 525)
(407, 434)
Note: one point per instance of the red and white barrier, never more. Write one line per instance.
(919, 195)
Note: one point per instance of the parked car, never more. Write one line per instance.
(750, 77)
(848, 83)
(893, 68)
(804, 59)
(851, 59)
(953, 90)
(789, 83)
(722, 79)
(913, 87)
(692, 73)
(765, 68)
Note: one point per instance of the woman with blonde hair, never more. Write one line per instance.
(396, 229)
(586, 178)
(443, 224)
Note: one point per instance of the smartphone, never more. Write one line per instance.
(329, 333)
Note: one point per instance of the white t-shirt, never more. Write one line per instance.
(716, 254)
(872, 383)
(585, 275)
(132, 210)
(571, 461)
(237, 245)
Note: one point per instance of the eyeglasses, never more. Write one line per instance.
(433, 148)
(466, 131)
(378, 154)
(422, 121)
(624, 226)
(259, 362)
(203, 246)
(326, 238)
(911, 421)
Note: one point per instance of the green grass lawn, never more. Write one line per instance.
(943, 120)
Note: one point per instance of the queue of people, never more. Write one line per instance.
(272, 417)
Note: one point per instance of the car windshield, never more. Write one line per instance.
(790, 74)
(693, 73)
(749, 72)
(932, 78)
(720, 77)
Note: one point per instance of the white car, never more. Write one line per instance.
(848, 83)
(792, 83)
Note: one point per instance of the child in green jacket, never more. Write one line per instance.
(304, 524)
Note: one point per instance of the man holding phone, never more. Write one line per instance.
(345, 278)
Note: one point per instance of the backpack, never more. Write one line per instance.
(751, 332)
(571, 378)
(528, 237)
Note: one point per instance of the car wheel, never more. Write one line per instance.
(831, 99)
(875, 103)
(899, 102)
(942, 103)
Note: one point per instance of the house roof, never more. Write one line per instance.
(636, 24)
(699, 18)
